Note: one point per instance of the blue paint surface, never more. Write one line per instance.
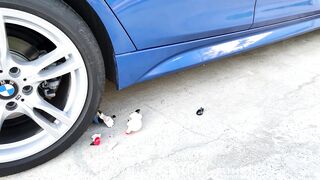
(119, 38)
(275, 11)
(152, 38)
(152, 23)
(148, 64)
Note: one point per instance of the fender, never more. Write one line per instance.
(121, 42)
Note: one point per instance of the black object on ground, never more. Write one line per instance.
(200, 111)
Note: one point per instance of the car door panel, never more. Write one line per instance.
(149, 24)
(274, 11)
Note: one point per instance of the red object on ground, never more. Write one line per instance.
(96, 140)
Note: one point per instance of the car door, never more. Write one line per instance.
(275, 11)
(153, 23)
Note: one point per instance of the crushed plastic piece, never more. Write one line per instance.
(200, 111)
(96, 140)
(135, 122)
(107, 120)
(101, 117)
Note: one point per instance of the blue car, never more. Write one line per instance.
(55, 56)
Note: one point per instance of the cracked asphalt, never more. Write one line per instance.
(261, 121)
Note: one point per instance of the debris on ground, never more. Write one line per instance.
(135, 122)
(111, 143)
(96, 140)
(96, 119)
(200, 111)
(102, 118)
(107, 120)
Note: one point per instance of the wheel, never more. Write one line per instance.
(51, 81)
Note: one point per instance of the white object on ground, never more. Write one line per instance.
(109, 121)
(135, 122)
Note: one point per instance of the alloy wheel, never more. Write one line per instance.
(43, 84)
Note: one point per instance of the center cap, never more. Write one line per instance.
(8, 89)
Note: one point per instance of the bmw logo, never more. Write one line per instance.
(8, 89)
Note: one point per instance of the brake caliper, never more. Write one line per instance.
(50, 87)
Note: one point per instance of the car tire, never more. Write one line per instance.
(61, 16)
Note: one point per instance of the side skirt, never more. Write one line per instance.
(147, 64)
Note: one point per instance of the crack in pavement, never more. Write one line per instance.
(174, 152)
(302, 86)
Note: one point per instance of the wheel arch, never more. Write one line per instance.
(100, 32)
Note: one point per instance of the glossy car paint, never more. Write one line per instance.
(144, 65)
(153, 23)
(119, 38)
(133, 66)
(275, 11)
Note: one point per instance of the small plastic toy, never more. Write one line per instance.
(135, 122)
(96, 140)
(107, 120)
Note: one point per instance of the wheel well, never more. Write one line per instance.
(99, 31)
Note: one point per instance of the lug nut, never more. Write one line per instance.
(14, 72)
(11, 106)
(27, 90)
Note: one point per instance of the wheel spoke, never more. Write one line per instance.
(50, 128)
(54, 72)
(3, 43)
(52, 110)
(48, 59)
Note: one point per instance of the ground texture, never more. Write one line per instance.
(261, 121)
